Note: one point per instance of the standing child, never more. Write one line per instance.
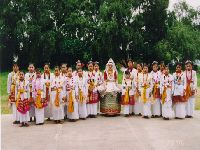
(57, 96)
(29, 77)
(93, 95)
(13, 77)
(166, 86)
(72, 104)
(99, 77)
(127, 98)
(145, 89)
(63, 74)
(39, 98)
(81, 90)
(178, 91)
(47, 76)
(190, 87)
(138, 103)
(22, 102)
(156, 75)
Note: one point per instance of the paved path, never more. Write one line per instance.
(104, 133)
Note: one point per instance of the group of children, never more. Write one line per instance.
(73, 95)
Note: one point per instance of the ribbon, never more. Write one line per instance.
(70, 103)
(144, 93)
(90, 89)
(155, 90)
(164, 95)
(188, 91)
(126, 97)
(57, 102)
(80, 94)
(38, 102)
(21, 91)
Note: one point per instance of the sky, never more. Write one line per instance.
(193, 3)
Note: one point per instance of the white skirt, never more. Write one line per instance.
(39, 114)
(167, 111)
(32, 110)
(15, 112)
(126, 110)
(92, 109)
(48, 111)
(156, 110)
(180, 110)
(147, 109)
(24, 117)
(82, 110)
(73, 115)
(190, 105)
(58, 112)
(138, 107)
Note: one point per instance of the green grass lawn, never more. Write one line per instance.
(4, 96)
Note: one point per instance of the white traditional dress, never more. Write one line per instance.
(156, 105)
(99, 77)
(72, 104)
(145, 88)
(22, 101)
(127, 98)
(81, 92)
(39, 99)
(13, 77)
(57, 95)
(93, 96)
(190, 87)
(166, 89)
(178, 92)
(47, 81)
(29, 77)
(110, 102)
(138, 109)
(64, 77)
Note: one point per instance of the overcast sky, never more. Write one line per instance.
(193, 3)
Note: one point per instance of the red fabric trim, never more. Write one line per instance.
(105, 76)
(12, 97)
(179, 98)
(23, 106)
(94, 99)
(131, 100)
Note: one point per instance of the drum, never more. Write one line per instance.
(110, 103)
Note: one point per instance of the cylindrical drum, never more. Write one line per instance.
(110, 104)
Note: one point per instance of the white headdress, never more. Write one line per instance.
(111, 62)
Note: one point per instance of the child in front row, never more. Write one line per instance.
(127, 98)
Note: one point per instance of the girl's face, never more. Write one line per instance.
(38, 74)
(21, 76)
(78, 65)
(178, 68)
(15, 68)
(188, 67)
(145, 69)
(110, 66)
(139, 67)
(80, 73)
(96, 67)
(64, 68)
(166, 70)
(31, 68)
(57, 72)
(130, 64)
(90, 67)
(69, 72)
(155, 67)
(46, 69)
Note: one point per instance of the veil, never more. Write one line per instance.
(110, 61)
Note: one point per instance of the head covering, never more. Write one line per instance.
(90, 62)
(111, 62)
(154, 62)
(188, 62)
(96, 62)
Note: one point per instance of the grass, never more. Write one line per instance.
(4, 97)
